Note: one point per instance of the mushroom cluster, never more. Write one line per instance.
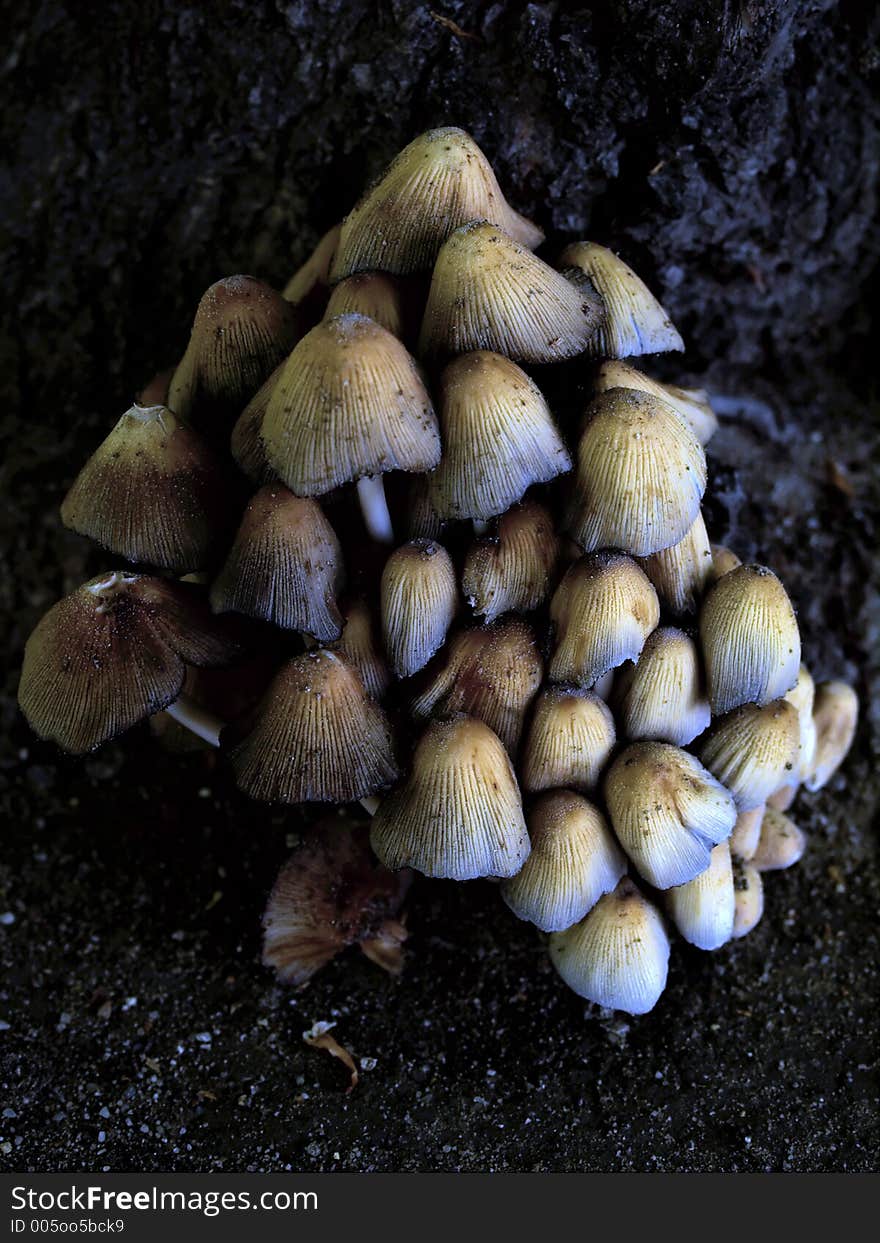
(523, 655)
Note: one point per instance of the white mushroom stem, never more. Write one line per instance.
(374, 507)
(197, 720)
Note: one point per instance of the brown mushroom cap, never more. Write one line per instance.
(113, 653)
(153, 492)
(315, 737)
(419, 594)
(246, 443)
(569, 741)
(514, 568)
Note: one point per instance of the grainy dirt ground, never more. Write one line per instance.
(732, 156)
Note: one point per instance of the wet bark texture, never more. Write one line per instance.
(730, 152)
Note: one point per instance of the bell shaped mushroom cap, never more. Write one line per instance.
(703, 910)
(748, 897)
(375, 294)
(459, 813)
(113, 653)
(314, 274)
(641, 474)
(246, 442)
(315, 737)
(330, 894)
(603, 611)
(747, 832)
(662, 695)
(438, 182)
(634, 321)
(514, 569)
(285, 566)
(570, 739)
(350, 402)
(422, 520)
(750, 639)
(241, 332)
(574, 860)
(781, 843)
(723, 561)
(489, 293)
(360, 645)
(667, 811)
(752, 750)
(681, 572)
(152, 492)
(835, 715)
(618, 955)
(419, 594)
(498, 438)
(490, 672)
(691, 404)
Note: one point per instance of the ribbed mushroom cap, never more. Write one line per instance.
(748, 896)
(315, 737)
(692, 404)
(513, 569)
(574, 860)
(350, 402)
(752, 750)
(723, 561)
(246, 442)
(375, 294)
(419, 600)
(667, 811)
(663, 695)
(835, 714)
(618, 955)
(569, 741)
(241, 332)
(681, 573)
(439, 181)
(489, 293)
(603, 611)
(330, 894)
(640, 476)
(489, 672)
(313, 276)
(781, 843)
(634, 321)
(152, 492)
(459, 813)
(703, 910)
(361, 646)
(113, 653)
(284, 567)
(421, 520)
(750, 639)
(498, 438)
(747, 832)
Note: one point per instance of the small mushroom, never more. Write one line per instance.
(801, 697)
(603, 610)
(781, 843)
(246, 442)
(692, 404)
(667, 811)
(498, 436)
(361, 646)
(439, 181)
(490, 293)
(113, 653)
(569, 742)
(350, 404)
(750, 639)
(514, 568)
(419, 595)
(330, 894)
(835, 715)
(640, 476)
(618, 955)
(662, 695)
(377, 295)
(724, 560)
(459, 813)
(752, 750)
(315, 737)
(489, 672)
(574, 860)
(747, 832)
(748, 897)
(285, 566)
(681, 572)
(152, 492)
(704, 909)
(634, 321)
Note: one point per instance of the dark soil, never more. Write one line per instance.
(730, 151)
